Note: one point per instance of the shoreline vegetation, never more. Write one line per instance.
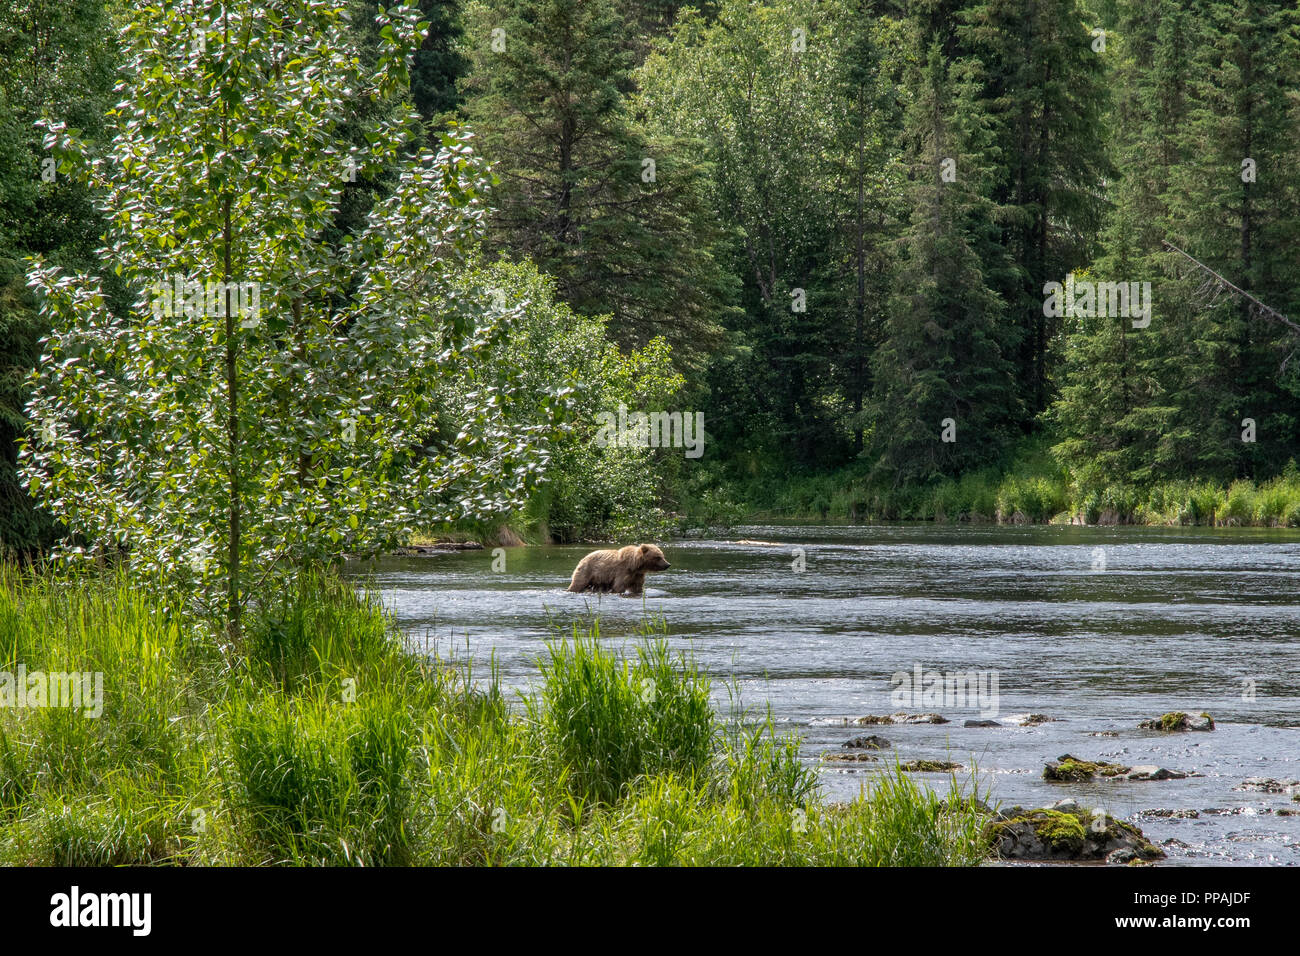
(1040, 499)
(990, 497)
(1032, 488)
(322, 739)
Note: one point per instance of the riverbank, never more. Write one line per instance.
(1034, 489)
(322, 740)
(1035, 495)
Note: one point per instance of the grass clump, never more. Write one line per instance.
(604, 722)
(317, 781)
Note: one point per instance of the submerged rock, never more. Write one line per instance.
(1068, 832)
(1033, 720)
(929, 766)
(1177, 722)
(1170, 814)
(871, 742)
(902, 717)
(1229, 811)
(1268, 785)
(849, 757)
(981, 723)
(1152, 772)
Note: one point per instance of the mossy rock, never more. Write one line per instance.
(1070, 769)
(1172, 721)
(1068, 833)
(1062, 831)
(1176, 722)
(929, 766)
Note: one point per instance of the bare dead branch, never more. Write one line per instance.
(1257, 307)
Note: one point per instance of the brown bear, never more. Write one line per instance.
(619, 571)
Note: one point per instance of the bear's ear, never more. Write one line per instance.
(645, 549)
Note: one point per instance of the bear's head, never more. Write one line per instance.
(652, 559)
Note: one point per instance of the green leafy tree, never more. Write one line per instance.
(590, 490)
(286, 410)
(755, 87)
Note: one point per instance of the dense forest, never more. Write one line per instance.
(331, 332)
(1024, 259)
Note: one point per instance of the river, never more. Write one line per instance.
(1097, 628)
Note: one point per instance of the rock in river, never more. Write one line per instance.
(929, 766)
(1267, 785)
(868, 743)
(1072, 769)
(1177, 722)
(869, 720)
(1068, 832)
(852, 757)
(1032, 720)
(1152, 772)
(1068, 768)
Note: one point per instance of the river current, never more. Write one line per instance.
(1096, 628)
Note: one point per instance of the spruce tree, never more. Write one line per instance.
(439, 63)
(1233, 206)
(1113, 417)
(616, 215)
(1042, 84)
(945, 392)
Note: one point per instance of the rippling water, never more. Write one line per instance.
(1096, 627)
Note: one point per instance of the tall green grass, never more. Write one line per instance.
(605, 721)
(322, 741)
(322, 781)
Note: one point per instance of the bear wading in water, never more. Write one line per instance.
(620, 571)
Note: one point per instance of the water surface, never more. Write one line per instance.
(1096, 627)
